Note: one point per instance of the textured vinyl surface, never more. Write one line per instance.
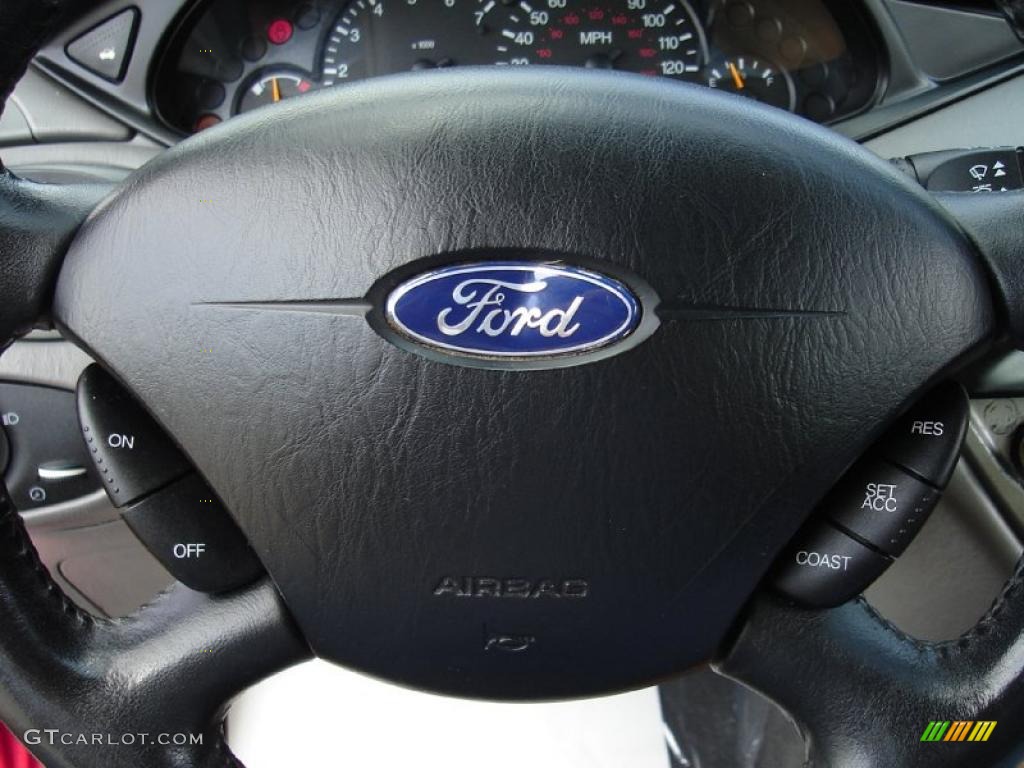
(666, 477)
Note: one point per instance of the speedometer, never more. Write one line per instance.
(652, 38)
(377, 37)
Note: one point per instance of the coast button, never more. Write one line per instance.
(825, 568)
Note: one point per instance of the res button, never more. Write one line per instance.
(927, 439)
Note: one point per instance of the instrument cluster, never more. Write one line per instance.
(818, 58)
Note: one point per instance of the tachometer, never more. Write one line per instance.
(652, 37)
(379, 37)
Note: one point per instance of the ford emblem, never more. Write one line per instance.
(513, 311)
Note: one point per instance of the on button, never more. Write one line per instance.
(131, 452)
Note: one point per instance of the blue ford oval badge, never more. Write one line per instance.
(513, 310)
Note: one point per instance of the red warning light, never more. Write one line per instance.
(280, 31)
(205, 121)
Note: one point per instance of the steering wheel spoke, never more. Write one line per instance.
(863, 693)
(151, 687)
(37, 222)
(481, 454)
(994, 223)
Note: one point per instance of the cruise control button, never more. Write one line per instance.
(132, 453)
(927, 439)
(106, 48)
(826, 568)
(881, 504)
(193, 536)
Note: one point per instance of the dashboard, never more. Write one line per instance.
(817, 58)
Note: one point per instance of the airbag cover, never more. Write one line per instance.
(531, 531)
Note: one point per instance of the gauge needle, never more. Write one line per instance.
(736, 77)
(275, 89)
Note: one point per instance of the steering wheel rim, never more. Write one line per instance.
(120, 672)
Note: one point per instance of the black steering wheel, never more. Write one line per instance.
(571, 517)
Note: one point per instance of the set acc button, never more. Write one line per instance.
(881, 504)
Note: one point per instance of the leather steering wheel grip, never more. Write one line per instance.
(68, 678)
(862, 692)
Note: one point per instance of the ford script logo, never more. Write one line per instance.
(513, 310)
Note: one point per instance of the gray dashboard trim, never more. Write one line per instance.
(911, 94)
(54, 113)
(992, 117)
(948, 42)
(129, 99)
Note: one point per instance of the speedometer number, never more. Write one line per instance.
(635, 35)
(653, 37)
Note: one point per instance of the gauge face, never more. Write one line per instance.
(380, 37)
(753, 78)
(652, 37)
(272, 87)
(376, 37)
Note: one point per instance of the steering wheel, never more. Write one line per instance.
(567, 519)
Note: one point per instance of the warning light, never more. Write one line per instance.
(206, 121)
(280, 31)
